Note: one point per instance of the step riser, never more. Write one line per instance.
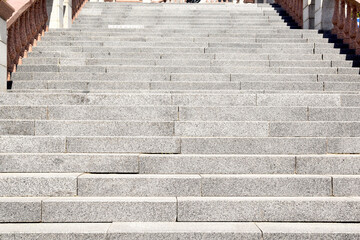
(184, 145)
(176, 164)
(88, 185)
(183, 129)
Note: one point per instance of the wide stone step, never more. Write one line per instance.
(188, 85)
(246, 164)
(184, 113)
(215, 185)
(187, 69)
(180, 128)
(183, 77)
(71, 41)
(75, 209)
(37, 144)
(305, 209)
(181, 230)
(266, 34)
(171, 113)
(75, 57)
(208, 43)
(344, 164)
(181, 209)
(185, 145)
(188, 62)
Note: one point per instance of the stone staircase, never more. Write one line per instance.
(180, 121)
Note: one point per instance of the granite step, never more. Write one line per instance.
(181, 230)
(345, 164)
(179, 128)
(143, 185)
(181, 209)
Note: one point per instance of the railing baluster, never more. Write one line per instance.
(335, 18)
(341, 22)
(347, 22)
(353, 26)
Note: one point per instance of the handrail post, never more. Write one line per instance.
(57, 17)
(341, 20)
(347, 22)
(353, 26)
(68, 13)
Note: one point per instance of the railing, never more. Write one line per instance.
(25, 27)
(345, 22)
(76, 7)
(294, 8)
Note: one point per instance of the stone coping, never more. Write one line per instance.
(19, 6)
(6, 10)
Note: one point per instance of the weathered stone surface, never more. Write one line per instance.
(51, 231)
(346, 185)
(305, 209)
(330, 100)
(314, 129)
(123, 145)
(103, 128)
(31, 144)
(20, 210)
(265, 185)
(343, 145)
(109, 209)
(253, 145)
(139, 185)
(151, 113)
(38, 184)
(242, 113)
(22, 112)
(216, 164)
(214, 99)
(297, 231)
(328, 164)
(221, 129)
(182, 231)
(334, 114)
(17, 127)
(46, 163)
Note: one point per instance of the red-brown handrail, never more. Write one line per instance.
(345, 22)
(294, 8)
(76, 7)
(24, 28)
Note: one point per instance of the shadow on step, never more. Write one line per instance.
(331, 38)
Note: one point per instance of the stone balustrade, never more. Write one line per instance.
(344, 17)
(24, 28)
(294, 8)
(345, 22)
